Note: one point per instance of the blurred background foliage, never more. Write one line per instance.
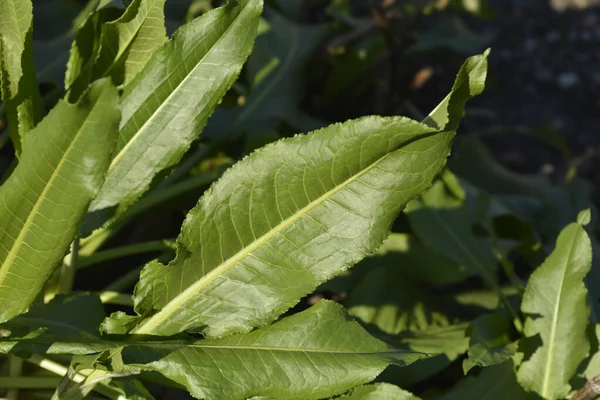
(525, 160)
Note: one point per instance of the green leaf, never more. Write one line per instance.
(63, 163)
(18, 82)
(497, 383)
(449, 233)
(392, 300)
(323, 345)
(276, 92)
(555, 300)
(443, 344)
(379, 391)
(562, 205)
(125, 45)
(449, 340)
(75, 315)
(289, 217)
(490, 343)
(86, 46)
(168, 103)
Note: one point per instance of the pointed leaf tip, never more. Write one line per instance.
(584, 217)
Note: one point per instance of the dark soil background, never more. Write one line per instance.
(544, 72)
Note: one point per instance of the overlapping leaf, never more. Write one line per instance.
(168, 103)
(293, 215)
(124, 45)
(63, 163)
(314, 354)
(18, 83)
(555, 299)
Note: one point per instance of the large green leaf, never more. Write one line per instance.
(18, 83)
(63, 163)
(555, 300)
(314, 354)
(379, 391)
(125, 45)
(291, 216)
(168, 103)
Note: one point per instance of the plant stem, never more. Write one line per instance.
(589, 391)
(109, 297)
(15, 369)
(60, 370)
(124, 251)
(93, 242)
(25, 382)
(125, 281)
(184, 167)
(68, 268)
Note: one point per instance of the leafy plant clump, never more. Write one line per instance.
(434, 289)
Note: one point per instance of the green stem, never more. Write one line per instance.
(125, 281)
(187, 164)
(68, 268)
(90, 244)
(130, 278)
(26, 382)
(124, 251)
(110, 297)
(15, 369)
(101, 387)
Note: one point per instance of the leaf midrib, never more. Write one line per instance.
(148, 326)
(20, 239)
(119, 156)
(554, 326)
(176, 346)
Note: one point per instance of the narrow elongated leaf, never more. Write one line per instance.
(311, 355)
(291, 216)
(168, 103)
(379, 391)
(18, 83)
(85, 48)
(125, 44)
(64, 160)
(555, 299)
